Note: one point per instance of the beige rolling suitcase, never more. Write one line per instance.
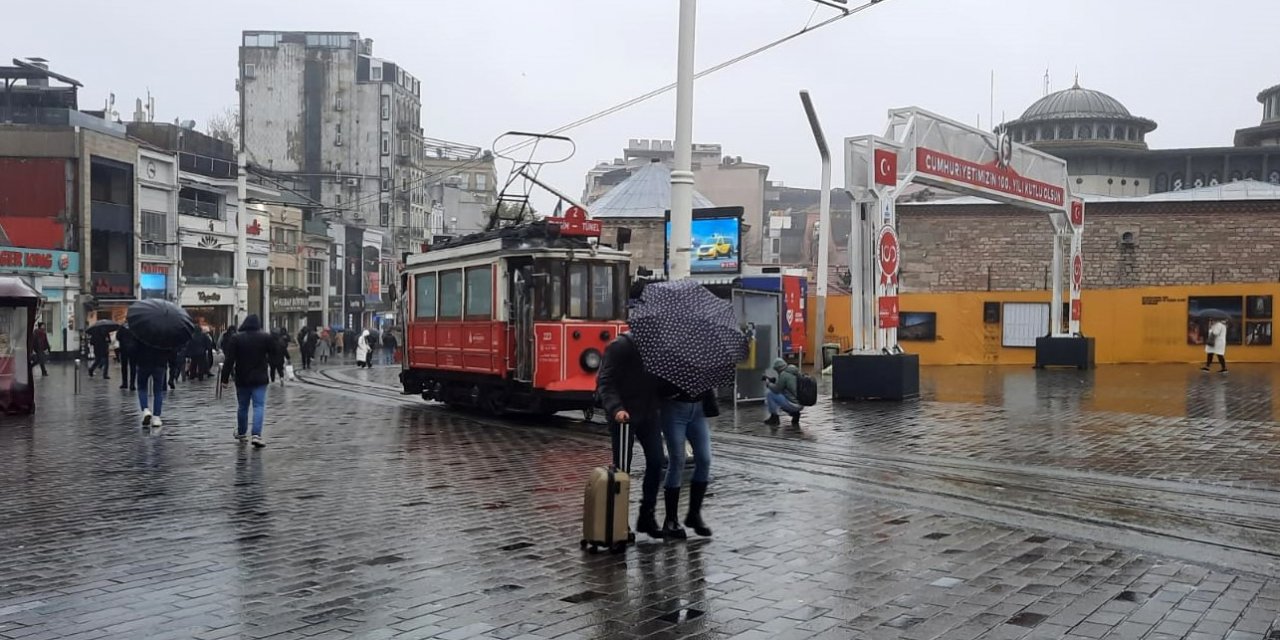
(605, 505)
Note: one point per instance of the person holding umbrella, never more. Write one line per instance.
(159, 328)
(1215, 343)
(689, 339)
(100, 340)
(249, 353)
(124, 353)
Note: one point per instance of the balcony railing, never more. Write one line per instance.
(189, 207)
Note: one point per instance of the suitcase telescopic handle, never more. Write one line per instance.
(624, 447)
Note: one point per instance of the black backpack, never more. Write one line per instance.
(806, 390)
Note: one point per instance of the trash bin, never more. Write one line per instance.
(829, 352)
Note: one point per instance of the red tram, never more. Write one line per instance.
(513, 320)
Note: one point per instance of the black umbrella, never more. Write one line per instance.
(160, 324)
(103, 326)
(687, 336)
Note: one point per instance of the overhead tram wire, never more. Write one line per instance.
(645, 97)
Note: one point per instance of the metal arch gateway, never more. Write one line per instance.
(919, 147)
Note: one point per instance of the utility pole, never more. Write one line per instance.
(682, 172)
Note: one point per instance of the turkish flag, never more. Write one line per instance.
(886, 168)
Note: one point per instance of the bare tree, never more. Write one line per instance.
(225, 125)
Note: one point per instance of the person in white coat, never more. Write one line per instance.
(362, 350)
(1215, 343)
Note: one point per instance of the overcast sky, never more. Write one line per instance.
(489, 66)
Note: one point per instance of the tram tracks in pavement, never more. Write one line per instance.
(1238, 529)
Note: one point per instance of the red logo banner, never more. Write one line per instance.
(886, 168)
(989, 177)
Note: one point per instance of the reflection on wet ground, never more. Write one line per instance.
(977, 512)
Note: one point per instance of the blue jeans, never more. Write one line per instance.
(683, 421)
(257, 394)
(779, 402)
(158, 378)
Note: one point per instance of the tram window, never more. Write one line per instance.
(450, 295)
(550, 293)
(603, 292)
(579, 282)
(425, 296)
(479, 292)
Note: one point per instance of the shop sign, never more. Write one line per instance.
(287, 304)
(156, 268)
(314, 304)
(209, 296)
(118, 285)
(18, 259)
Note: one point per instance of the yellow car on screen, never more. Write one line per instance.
(719, 247)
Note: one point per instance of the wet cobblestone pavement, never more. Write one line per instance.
(1005, 505)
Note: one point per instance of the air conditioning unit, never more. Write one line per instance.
(353, 182)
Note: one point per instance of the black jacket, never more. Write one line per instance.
(623, 384)
(101, 343)
(248, 352)
(127, 342)
(143, 356)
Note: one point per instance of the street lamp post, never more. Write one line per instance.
(682, 172)
(824, 224)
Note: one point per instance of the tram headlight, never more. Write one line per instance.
(590, 360)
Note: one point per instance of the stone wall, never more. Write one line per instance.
(1001, 248)
(647, 240)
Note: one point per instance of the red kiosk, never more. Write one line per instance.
(18, 303)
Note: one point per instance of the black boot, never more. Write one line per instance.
(772, 420)
(697, 491)
(647, 522)
(795, 420)
(671, 528)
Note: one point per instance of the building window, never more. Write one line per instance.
(207, 267)
(154, 233)
(386, 143)
(284, 240)
(386, 178)
(1085, 131)
(315, 277)
(1066, 132)
(260, 40)
(197, 202)
(375, 71)
(1047, 133)
(462, 180)
(482, 182)
(386, 107)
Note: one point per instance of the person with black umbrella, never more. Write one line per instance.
(100, 341)
(151, 366)
(159, 329)
(690, 340)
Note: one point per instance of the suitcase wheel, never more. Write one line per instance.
(631, 538)
(618, 547)
(582, 544)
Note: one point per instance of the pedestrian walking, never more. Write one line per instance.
(690, 340)
(629, 396)
(363, 352)
(40, 342)
(351, 340)
(307, 342)
(151, 366)
(389, 344)
(781, 393)
(279, 354)
(339, 338)
(324, 346)
(176, 360)
(100, 342)
(249, 353)
(1215, 344)
(124, 353)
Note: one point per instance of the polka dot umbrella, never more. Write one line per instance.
(687, 336)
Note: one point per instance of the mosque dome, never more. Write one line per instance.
(1079, 116)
